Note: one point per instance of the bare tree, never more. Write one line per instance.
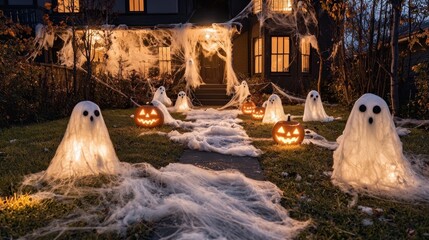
(394, 93)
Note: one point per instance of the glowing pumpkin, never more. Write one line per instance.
(288, 132)
(248, 107)
(148, 116)
(258, 113)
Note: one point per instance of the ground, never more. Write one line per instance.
(301, 172)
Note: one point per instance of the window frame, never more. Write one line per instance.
(128, 9)
(258, 56)
(66, 10)
(164, 63)
(284, 54)
(305, 56)
(280, 6)
(257, 6)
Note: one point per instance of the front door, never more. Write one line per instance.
(212, 69)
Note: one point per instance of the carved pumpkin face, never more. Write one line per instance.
(148, 116)
(288, 133)
(248, 107)
(258, 113)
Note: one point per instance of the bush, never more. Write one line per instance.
(420, 103)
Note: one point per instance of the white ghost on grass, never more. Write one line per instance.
(86, 148)
(241, 93)
(161, 95)
(369, 157)
(168, 119)
(273, 110)
(183, 103)
(314, 110)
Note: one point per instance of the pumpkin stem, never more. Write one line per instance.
(288, 117)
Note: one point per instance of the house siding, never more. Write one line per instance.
(241, 55)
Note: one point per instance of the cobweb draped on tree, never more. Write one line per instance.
(121, 50)
(369, 157)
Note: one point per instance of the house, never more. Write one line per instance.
(200, 41)
(22, 11)
(414, 49)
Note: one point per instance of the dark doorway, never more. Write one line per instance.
(212, 69)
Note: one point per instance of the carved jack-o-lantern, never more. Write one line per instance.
(258, 113)
(248, 107)
(148, 116)
(288, 132)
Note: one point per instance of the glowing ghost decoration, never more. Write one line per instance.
(161, 95)
(86, 148)
(258, 113)
(288, 132)
(183, 103)
(314, 110)
(242, 92)
(168, 119)
(273, 110)
(369, 157)
(148, 116)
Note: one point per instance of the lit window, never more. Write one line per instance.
(258, 55)
(280, 54)
(305, 55)
(281, 5)
(164, 60)
(257, 6)
(136, 5)
(68, 6)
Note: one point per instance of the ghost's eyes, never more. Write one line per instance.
(376, 109)
(85, 113)
(311, 95)
(317, 96)
(97, 113)
(362, 108)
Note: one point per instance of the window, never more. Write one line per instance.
(162, 6)
(164, 60)
(136, 5)
(280, 54)
(281, 5)
(305, 55)
(257, 6)
(68, 6)
(257, 52)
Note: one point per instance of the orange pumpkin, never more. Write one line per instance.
(258, 113)
(148, 116)
(248, 107)
(288, 132)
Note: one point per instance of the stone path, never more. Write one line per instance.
(249, 166)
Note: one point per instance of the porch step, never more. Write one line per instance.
(212, 94)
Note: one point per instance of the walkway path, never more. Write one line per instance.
(249, 166)
(217, 142)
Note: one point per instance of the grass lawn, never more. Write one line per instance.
(29, 149)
